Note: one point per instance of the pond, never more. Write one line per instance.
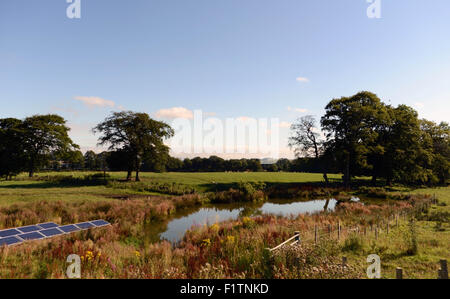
(174, 229)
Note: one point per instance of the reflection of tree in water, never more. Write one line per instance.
(250, 211)
(327, 202)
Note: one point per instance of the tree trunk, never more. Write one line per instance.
(31, 173)
(137, 176)
(389, 181)
(374, 179)
(347, 172)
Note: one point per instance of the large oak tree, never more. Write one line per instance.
(135, 135)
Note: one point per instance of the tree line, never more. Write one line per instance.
(358, 136)
(364, 136)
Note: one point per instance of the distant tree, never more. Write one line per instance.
(135, 133)
(74, 159)
(42, 135)
(174, 164)
(11, 151)
(283, 164)
(306, 141)
(90, 160)
(216, 164)
(254, 165)
(187, 165)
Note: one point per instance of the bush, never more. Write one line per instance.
(353, 243)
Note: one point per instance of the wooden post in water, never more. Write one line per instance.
(443, 272)
(399, 273)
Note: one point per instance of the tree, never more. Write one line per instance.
(90, 160)
(440, 138)
(11, 152)
(74, 159)
(351, 126)
(284, 164)
(42, 135)
(408, 150)
(306, 140)
(137, 134)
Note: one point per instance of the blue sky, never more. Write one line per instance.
(232, 58)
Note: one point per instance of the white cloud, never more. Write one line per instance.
(285, 124)
(93, 102)
(175, 112)
(299, 110)
(302, 79)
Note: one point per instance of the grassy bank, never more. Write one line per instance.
(231, 249)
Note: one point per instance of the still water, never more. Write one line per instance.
(177, 226)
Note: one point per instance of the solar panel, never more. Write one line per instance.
(44, 230)
(48, 225)
(69, 228)
(10, 241)
(100, 223)
(31, 236)
(9, 233)
(85, 225)
(51, 232)
(29, 229)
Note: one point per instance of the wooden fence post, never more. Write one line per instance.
(339, 230)
(443, 272)
(399, 273)
(315, 234)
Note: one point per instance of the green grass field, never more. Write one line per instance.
(240, 243)
(24, 190)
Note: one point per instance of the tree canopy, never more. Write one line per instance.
(136, 135)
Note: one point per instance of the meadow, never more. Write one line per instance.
(418, 237)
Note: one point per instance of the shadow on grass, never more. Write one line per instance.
(49, 185)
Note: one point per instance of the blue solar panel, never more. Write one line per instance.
(51, 232)
(31, 236)
(100, 222)
(69, 228)
(48, 225)
(29, 229)
(10, 241)
(85, 225)
(9, 233)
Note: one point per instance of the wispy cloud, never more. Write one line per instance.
(175, 112)
(302, 79)
(299, 110)
(93, 102)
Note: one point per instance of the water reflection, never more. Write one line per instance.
(210, 214)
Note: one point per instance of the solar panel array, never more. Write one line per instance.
(14, 236)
